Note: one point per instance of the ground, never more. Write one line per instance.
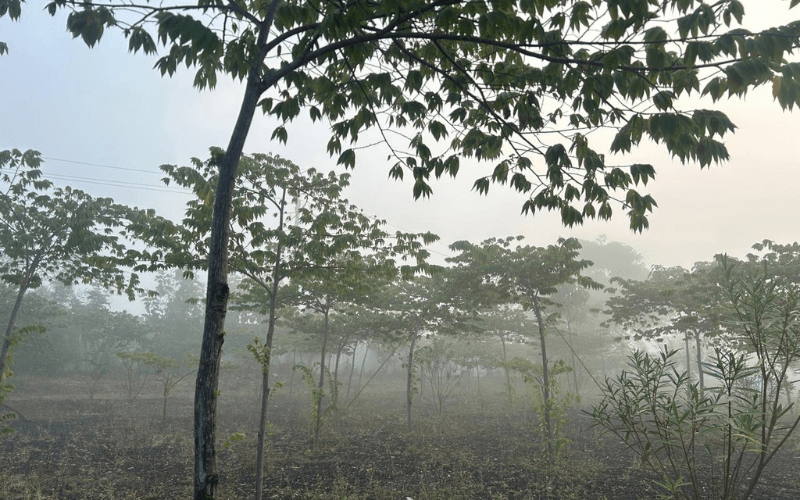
(67, 446)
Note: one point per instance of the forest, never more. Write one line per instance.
(354, 367)
(334, 357)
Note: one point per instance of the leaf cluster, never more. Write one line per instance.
(515, 85)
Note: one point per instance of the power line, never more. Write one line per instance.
(125, 184)
(168, 189)
(103, 166)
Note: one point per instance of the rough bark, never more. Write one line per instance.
(217, 293)
(509, 389)
(10, 329)
(688, 355)
(23, 288)
(352, 369)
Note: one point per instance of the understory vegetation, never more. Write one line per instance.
(482, 447)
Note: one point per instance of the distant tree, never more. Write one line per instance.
(285, 222)
(612, 259)
(529, 276)
(323, 290)
(511, 325)
(422, 306)
(671, 301)
(501, 81)
(174, 315)
(61, 234)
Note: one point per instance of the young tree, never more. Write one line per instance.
(529, 276)
(61, 234)
(492, 78)
(671, 300)
(314, 227)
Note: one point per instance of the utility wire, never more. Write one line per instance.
(168, 189)
(103, 166)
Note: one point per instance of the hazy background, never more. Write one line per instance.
(104, 106)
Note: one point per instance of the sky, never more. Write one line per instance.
(104, 121)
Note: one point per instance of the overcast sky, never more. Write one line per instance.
(104, 106)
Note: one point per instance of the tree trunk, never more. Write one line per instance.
(10, 328)
(572, 355)
(699, 360)
(217, 293)
(409, 380)
(688, 355)
(505, 369)
(352, 370)
(265, 388)
(164, 409)
(335, 395)
(321, 384)
(363, 362)
(545, 377)
(291, 379)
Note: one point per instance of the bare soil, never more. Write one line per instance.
(69, 447)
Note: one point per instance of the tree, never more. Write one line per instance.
(323, 229)
(529, 276)
(414, 308)
(738, 423)
(613, 259)
(494, 79)
(671, 300)
(61, 234)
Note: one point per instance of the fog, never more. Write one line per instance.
(377, 346)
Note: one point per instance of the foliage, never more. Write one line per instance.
(317, 394)
(54, 233)
(484, 81)
(613, 259)
(174, 315)
(555, 405)
(734, 427)
(670, 300)
(442, 374)
(57, 233)
(499, 82)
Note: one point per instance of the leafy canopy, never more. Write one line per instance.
(514, 85)
(59, 233)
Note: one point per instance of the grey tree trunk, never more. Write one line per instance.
(699, 360)
(509, 389)
(217, 290)
(23, 288)
(363, 362)
(217, 293)
(352, 370)
(545, 377)
(10, 329)
(688, 355)
(321, 384)
(265, 388)
(409, 379)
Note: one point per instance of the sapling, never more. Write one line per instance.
(731, 430)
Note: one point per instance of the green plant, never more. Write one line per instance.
(555, 406)
(443, 376)
(317, 393)
(734, 427)
(136, 372)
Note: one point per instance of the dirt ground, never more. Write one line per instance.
(69, 447)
